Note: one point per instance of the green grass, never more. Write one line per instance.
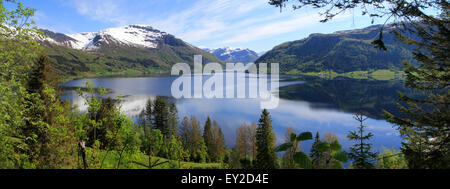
(140, 161)
(377, 74)
(358, 74)
(331, 74)
(383, 75)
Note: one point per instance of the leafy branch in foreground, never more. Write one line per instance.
(300, 158)
(330, 154)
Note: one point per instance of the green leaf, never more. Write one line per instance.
(304, 136)
(14, 139)
(303, 160)
(293, 137)
(335, 146)
(323, 146)
(341, 156)
(283, 147)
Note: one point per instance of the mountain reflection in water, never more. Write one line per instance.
(306, 104)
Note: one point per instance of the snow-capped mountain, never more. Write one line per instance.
(132, 35)
(230, 54)
(136, 49)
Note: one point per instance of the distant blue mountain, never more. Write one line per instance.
(229, 54)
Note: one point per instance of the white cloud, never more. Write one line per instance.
(203, 22)
(102, 10)
(278, 26)
(273, 28)
(208, 19)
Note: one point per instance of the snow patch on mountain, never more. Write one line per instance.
(132, 35)
(233, 54)
(82, 40)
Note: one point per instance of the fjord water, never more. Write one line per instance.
(306, 104)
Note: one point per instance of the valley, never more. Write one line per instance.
(140, 50)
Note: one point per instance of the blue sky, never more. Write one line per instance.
(205, 23)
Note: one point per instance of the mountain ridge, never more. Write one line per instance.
(340, 51)
(230, 54)
(126, 50)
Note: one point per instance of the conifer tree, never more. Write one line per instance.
(142, 124)
(148, 112)
(173, 119)
(184, 132)
(145, 122)
(252, 134)
(315, 153)
(209, 138)
(39, 115)
(46, 130)
(424, 122)
(42, 74)
(265, 141)
(161, 115)
(219, 145)
(196, 143)
(201, 154)
(361, 151)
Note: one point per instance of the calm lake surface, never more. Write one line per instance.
(306, 104)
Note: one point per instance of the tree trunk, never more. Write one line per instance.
(82, 145)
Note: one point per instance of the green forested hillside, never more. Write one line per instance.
(340, 52)
(122, 60)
